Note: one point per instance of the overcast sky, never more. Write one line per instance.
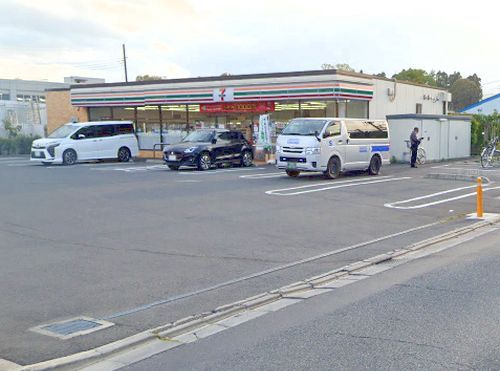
(50, 39)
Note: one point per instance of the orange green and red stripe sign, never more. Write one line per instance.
(95, 97)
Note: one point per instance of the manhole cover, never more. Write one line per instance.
(72, 327)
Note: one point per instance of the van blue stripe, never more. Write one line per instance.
(380, 148)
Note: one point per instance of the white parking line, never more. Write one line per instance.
(263, 175)
(395, 205)
(211, 172)
(340, 184)
(20, 164)
(133, 169)
(13, 159)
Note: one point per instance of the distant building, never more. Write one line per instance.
(75, 80)
(486, 106)
(22, 103)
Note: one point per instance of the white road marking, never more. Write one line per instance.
(13, 158)
(263, 175)
(211, 172)
(395, 205)
(341, 184)
(21, 164)
(133, 169)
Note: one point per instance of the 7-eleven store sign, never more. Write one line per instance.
(223, 95)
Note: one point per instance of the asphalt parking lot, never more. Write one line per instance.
(139, 245)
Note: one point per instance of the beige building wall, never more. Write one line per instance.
(60, 111)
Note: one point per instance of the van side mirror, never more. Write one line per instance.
(316, 135)
(81, 136)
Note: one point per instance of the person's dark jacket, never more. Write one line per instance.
(414, 140)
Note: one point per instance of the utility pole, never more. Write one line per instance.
(125, 62)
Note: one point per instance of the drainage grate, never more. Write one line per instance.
(72, 327)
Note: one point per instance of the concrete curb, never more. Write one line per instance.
(462, 177)
(189, 323)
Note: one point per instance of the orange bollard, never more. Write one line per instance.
(479, 203)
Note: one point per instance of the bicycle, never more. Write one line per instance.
(421, 155)
(490, 155)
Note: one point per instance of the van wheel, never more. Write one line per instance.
(333, 168)
(124, 154)
(375, 165)
(69, 157)
(293, 173)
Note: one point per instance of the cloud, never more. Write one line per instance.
(198, 37)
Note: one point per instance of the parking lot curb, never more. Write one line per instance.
(461, 177)
(187, 324)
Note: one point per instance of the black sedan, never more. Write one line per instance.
(209, 147)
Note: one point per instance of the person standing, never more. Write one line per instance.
(414, 143)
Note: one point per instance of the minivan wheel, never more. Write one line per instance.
(69, 157)
(246, 159)
(375, 165)
(124, 154)
(204, 161)
(293, 173)
(333, 168)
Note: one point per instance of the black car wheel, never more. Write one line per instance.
(375, 164)
(124, 154)
(293, 173)
(247, 159)
(204, 161)
(69, 157)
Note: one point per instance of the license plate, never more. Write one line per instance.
(38, 154)
(172, 158)
(291, 165)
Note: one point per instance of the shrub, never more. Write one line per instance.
(18, 145)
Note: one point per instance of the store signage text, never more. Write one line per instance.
(229, 107)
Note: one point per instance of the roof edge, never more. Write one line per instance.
(252, 76)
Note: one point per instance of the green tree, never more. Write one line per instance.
(147, 78)
(12, 130)
(485, 127)
(464, 92)
(452, 78)
(477, 80)
(381, 74)
(416, 75)
(442, 79)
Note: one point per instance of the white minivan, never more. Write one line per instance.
(84, 141)
(333, 145)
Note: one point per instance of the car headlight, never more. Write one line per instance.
(313, 150)
(190, 150)
(51, 149)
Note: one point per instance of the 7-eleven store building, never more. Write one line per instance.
(165, 110)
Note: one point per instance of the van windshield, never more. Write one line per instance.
(63, 131)
(304, 127)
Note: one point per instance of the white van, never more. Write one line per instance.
(333, 145)
(87, 141)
